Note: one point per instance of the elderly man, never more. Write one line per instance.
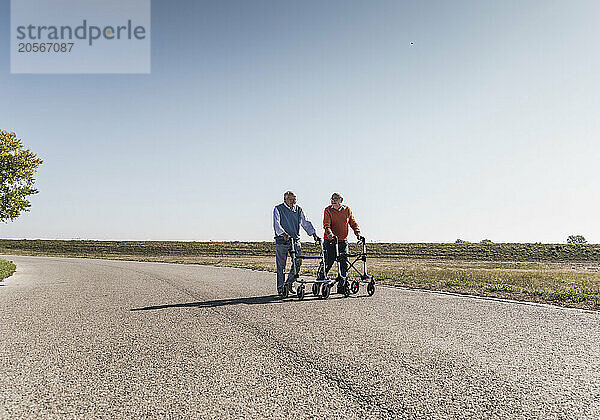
(336, 219)
(287, 219)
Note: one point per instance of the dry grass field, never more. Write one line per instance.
(567, 275)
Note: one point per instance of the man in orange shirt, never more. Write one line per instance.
(336, 219)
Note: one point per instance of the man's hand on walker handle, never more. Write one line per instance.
(360, 238)
(316, 238)
(285, 236)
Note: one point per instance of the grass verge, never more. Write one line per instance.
(564, 282)
(7, 268)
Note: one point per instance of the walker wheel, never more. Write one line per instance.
(355, 287)
(371, 288)
(325, 291)
(315, 289)
(300, 292)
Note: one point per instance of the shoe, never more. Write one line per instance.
(291, 290)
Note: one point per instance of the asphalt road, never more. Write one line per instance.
(84, 338)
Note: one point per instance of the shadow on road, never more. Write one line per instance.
(256, 300)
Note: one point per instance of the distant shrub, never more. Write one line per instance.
(460, 241)
(576, 239)
(486, 241)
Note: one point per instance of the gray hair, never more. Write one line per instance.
(335, 194)
(287, 194)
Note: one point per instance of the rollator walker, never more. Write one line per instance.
(322, 285)
(301, 290)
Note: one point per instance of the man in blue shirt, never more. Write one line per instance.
(287, 219)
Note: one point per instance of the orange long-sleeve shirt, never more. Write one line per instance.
(337, 221)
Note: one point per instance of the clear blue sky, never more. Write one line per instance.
(486, 127)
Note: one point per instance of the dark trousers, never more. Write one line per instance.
(330, 256)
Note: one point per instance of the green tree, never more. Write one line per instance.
(17, 167)
(576, 239)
